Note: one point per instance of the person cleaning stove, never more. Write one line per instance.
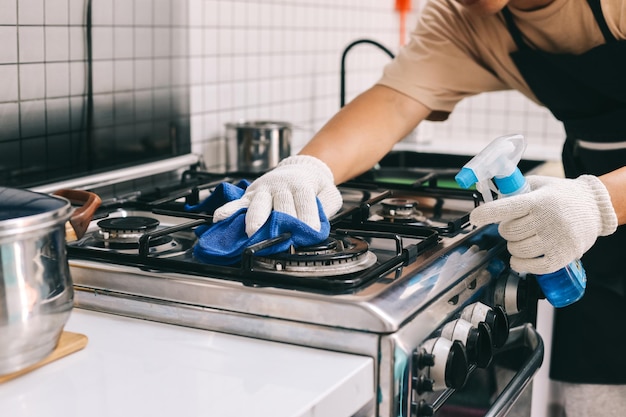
(567, 55)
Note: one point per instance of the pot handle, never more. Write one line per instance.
(81, 217)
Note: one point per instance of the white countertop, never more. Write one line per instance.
(138, 368)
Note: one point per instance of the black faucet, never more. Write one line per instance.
(343, 64)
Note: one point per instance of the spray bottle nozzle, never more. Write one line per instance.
(496, 162)
(466, 178)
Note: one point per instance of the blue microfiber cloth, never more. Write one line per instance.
(223, 242)
(222, 194)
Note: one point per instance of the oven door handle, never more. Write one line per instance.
(524, 335)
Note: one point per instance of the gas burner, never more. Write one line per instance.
(122, 234)
(126, 229)
(401, 210)
(335, 256)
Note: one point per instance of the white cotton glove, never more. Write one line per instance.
(553, 224)
(291, 188)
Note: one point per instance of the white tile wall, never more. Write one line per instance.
(280, 60)
(140, 81)
(478, 120)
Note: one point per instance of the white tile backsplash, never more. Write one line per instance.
(9, 114)
(143, 42)
(123, 42)
(143, 74)
(195, 41)
(162, 73)
(162, 43)
(8, 51)
(30, 12)
(8, 12)
(57, 79)
(57, 47)
(143, 12)
(56, 12)
(103, 40)
(32, 81)
(123, 13)
(76, 12)
(102, 76)
(102, 12)
(271, 59)
(33, 37)
(195, 12)
(162, 10)
(77, 78)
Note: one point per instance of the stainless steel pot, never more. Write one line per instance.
(257, 146)
(36, 293)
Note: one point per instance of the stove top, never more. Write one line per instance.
(392, 250)
(379, 230)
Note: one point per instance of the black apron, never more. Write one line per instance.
(587, 92)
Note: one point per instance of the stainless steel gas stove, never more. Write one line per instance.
(403, 278)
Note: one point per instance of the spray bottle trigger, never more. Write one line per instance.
(484, 188)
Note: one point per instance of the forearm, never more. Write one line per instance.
(615, 183)
(357, 137)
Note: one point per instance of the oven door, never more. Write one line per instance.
(498, 389)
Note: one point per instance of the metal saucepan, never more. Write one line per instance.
(257, 146)
(36, 293)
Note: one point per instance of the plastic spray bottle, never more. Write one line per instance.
(495, 169)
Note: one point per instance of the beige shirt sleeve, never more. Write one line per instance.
(453, 54)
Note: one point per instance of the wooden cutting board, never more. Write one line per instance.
(68, 343)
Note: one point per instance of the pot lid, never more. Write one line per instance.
(23, 209)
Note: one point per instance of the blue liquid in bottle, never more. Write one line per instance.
(565, 286)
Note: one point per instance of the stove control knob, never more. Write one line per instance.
(517, 294)
(422, 359)
(476, 339)
(423, 384)
(422, 409)
(511, 293)
(450, 367)
(495, 318)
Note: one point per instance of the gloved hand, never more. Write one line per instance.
(291, 188)
(553, 224)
